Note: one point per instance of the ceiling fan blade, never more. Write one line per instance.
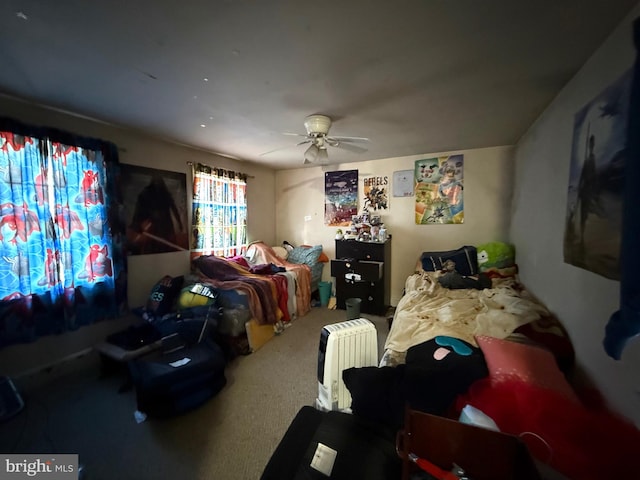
(349, 147)
(295, 134)
(323, 156)
(285, 148)
(349, 139)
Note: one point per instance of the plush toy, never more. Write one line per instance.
(496, 255)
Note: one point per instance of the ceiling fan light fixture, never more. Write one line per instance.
(323, 156)
(317, 124)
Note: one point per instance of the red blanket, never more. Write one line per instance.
(579, 442)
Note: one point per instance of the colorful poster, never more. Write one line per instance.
(439, 190)
(376, 194)
(341, 197)
(593, 222)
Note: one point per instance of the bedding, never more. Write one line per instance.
(505, 309)
(224, 274)
(277, 290)
(427, 309)
(261, 253)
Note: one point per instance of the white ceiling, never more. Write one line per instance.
(414, 76)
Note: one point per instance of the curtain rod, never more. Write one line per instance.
(241, 173)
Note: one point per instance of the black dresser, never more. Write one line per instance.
(363, 270)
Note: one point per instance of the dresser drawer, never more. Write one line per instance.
(368, 271)
(360, 250)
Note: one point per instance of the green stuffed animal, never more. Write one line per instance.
(496, 255)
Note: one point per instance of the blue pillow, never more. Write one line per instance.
(465, 258)
(306, 255)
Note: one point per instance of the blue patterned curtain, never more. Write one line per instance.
(61, 241)
(219, 212)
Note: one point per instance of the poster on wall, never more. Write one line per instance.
(403, 183)
(341, 197)
(376, 194)
(439, 190)
(593, 222)
(155, 210)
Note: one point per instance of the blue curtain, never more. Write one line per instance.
(624, 324)
(62, 263)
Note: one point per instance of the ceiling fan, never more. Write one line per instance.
(317, 136)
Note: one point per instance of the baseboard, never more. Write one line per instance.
(49, 367)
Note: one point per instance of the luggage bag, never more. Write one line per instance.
(180, 377)
(175, 382)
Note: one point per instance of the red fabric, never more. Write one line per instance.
(584, 443)
(240, 260)
(282, 296)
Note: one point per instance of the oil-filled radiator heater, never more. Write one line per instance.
(343, 345)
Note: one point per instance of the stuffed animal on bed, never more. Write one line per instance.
(497, 259)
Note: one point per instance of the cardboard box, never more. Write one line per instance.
(483, 454)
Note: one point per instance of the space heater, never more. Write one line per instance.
(343, 345)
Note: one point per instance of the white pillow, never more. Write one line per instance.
(281, 252)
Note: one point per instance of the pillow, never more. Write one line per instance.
(163, 295)
(323, 256)
(529, 364)
(465, 258)
(281, 252)
(496, 255)
(306, 255)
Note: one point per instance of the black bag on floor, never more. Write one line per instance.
(170, 382)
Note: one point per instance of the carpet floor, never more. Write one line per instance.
(74, 409)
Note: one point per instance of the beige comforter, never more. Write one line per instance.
(428, 310)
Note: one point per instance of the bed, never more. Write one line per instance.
(260, 290)
(494, 347)
(277, 290)
(506, 309)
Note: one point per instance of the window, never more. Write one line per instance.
(219, 212)
(61, 262)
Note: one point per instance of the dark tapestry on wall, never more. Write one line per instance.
(155, 210)
(596, 177)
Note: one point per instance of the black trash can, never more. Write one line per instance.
(353, 308)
